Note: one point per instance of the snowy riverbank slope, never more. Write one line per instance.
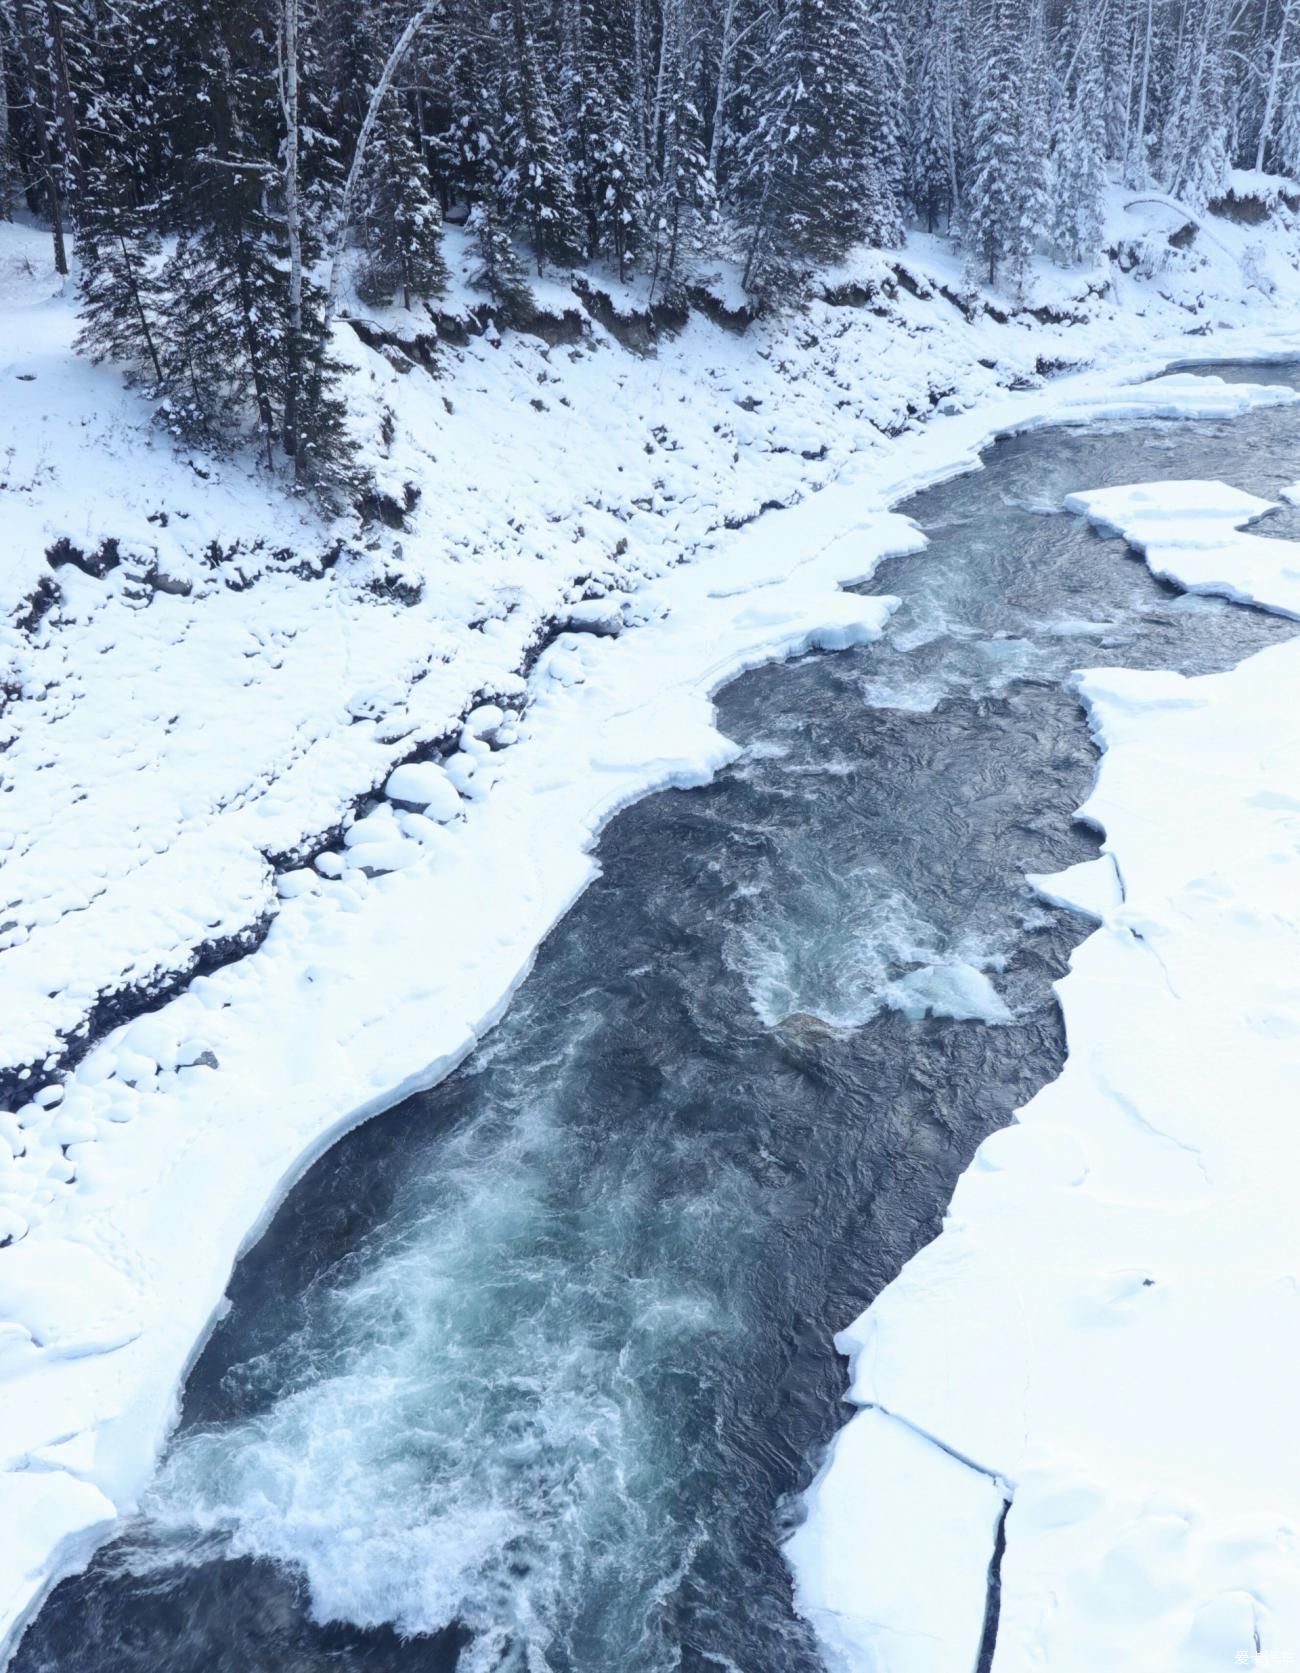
(1106, 1335)
(191, 734)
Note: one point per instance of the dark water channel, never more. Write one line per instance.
(528, 1373)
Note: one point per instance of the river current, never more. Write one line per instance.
(528, 1373)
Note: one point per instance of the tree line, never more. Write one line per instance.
(226, 171)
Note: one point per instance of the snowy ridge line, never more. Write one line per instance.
(1111, 1314)
(369, 988)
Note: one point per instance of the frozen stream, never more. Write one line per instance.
(529, 1372)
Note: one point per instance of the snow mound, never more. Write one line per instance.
(424, 784)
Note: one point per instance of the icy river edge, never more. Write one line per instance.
(142, 1250)
(1075, 1437)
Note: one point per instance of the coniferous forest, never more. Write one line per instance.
(224, 177)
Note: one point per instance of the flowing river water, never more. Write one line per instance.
(530, 1372)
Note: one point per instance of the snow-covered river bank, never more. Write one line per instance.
(543, 1356)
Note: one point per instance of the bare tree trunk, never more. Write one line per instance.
(61, 87)
(1274, 81)
(666, 24)
(726, 52)
(401, 46)
(1142, 96)
(6, 214)
(292, 218)
(52, 190)
(638, 78)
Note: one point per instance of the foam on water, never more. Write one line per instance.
(912, 697)
(829, 948)
(957, 990)
(840, 950)
(466, 1425)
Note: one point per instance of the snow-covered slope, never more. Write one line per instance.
(1107, 1333)
(195, 740)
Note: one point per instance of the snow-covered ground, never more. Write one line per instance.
(184, 730)
(1106, 1335)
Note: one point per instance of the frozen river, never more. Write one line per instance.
(530, 1372)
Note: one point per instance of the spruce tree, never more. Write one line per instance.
(536, 190)
(997, 229)
(401, 219)
(810, 188)
(599, 99)
(886, 92)
(324, 459)
(684, 199)
(227, 333)
(499, 272)
(468, 143)
(118, 209)
(1079, 165)
(932, 150)
(119, 291)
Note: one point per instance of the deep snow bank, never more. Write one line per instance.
(1106, 1334)
(219, 700)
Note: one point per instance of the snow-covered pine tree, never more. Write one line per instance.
(469, 143)
(1136, 20)
(353, 35)
(325, 454)
(120, 296)
(72, 79)
(1078, 179)
(246, 341)
(886, 92)
(809, 188)
(226, 325)
(996, 228)
(8, 157)
(1285, 145)
(536, 190)
(499, 271)
(1194, 149)
(1278, 72)
(320, 146)
(31, 78)
(1041, 111)
(399, 216)
(736, 38)
(932, 147)
(123, 175)
(684, 203)
(601, 130)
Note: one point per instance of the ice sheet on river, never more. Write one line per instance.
(1110, 1320)
(1190, 533)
